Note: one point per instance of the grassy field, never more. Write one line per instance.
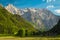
(29, 38)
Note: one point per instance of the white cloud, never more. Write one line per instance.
(57, 11)
(50, 6)
(50, 1)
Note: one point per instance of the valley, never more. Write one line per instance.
(29, 19)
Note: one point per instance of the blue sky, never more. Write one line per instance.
(31, 3)
(22, 3)
(53, 5)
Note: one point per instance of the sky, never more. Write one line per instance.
(22, 3)
(53, 5)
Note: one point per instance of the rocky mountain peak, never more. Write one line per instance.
(43, 19)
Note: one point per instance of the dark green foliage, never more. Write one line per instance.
(21, 33)
(26, 32)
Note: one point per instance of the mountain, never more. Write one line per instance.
(13, 9)
(54, 31)
(10, 24)
(42, 19)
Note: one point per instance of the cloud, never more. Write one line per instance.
(50, 6)
(50, 1)
(57, 11)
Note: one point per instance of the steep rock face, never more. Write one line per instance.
(13, 9)
(42, 19)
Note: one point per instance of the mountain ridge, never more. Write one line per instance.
(43, 19)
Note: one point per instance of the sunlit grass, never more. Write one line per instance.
(29, 38)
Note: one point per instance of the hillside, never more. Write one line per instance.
(10, 24)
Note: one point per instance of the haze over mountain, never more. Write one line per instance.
(43, 19)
